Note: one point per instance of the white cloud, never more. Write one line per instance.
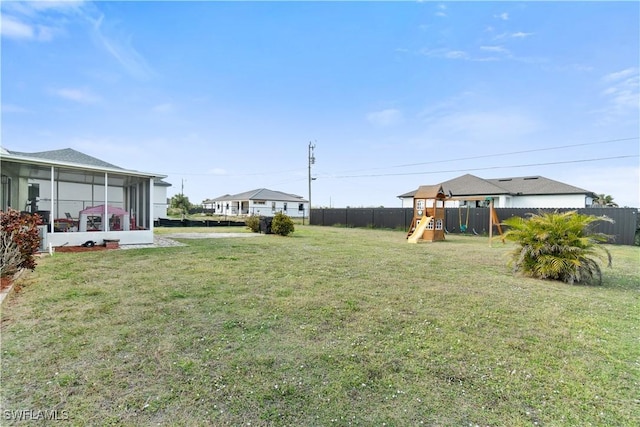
(622, 95)
(504, 16)
(42, 20)
(521, 35)
(516, 35)
(167, 107)
(619, 75)
(82, 96)
(481, 126)
(14, 28)
(37, 20)
(121, 49)
(10, 108)
(497, 49)
(61, 5)
(456, 55)
(217, 171)
(387, 117)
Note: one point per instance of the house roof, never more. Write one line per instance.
(429, 192)
(534, 185)
(259, 194)
(70, 157)
(471, 185)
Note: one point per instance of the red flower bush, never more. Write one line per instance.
(19, 241)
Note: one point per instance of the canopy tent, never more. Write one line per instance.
(119, 218)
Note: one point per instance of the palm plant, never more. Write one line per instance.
(605, 200)
(558, 246)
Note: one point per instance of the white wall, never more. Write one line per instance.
(292, 209)
(548, 201)
(137, 237)
(541, 201)
(266, 209)
(159, 202)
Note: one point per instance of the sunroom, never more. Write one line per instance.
(79, 202)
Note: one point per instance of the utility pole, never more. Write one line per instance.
(312, 161)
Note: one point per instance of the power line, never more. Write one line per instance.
(483, 168)
(235, 175)
(484, 156)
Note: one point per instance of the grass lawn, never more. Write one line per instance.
(329, 326)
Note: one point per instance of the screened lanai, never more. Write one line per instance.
(61, 192)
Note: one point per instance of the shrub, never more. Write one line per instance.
(558, 246)
(253, 223)
(10, 255)
(19, 231)
(175, 212)
(282, 224)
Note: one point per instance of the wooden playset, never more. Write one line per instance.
(428, 222)
(428, 214)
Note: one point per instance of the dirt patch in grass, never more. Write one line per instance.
(5, 282)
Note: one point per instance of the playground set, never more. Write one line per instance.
(429, 214)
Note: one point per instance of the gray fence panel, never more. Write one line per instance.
(329, 217)
(360, 217)
(394, 218)
(623, 229)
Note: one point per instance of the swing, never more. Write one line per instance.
(463, 227)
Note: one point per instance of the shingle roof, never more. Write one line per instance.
(68, 155)
(260, 194)
(429, 192)
(533, 185)
(71, 156)
(471, 185)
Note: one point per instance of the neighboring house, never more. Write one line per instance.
(261, 202)
(516, 192)
(60, 184)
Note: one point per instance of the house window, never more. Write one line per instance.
(273, 206)
(259, 202)
(284, 206)
(420, 204)
(301, 207)
(430, 224)
(439, 224)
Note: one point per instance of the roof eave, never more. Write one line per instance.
(70, 165)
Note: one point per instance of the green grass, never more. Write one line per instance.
(329, 326)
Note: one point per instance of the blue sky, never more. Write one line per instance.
(225, 97)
